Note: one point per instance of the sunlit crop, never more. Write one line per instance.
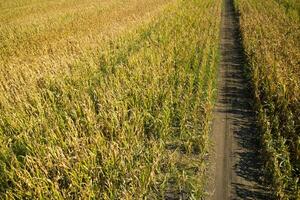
(106, 99)
(271, 35)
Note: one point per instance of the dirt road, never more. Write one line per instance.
(238, 167)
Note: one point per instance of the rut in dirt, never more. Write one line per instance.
(238, 165)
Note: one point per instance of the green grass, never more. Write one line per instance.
(292, 7)
(130, 121)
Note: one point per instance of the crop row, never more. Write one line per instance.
(271, 36)
(130, 122)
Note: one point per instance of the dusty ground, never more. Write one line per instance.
(238, 167)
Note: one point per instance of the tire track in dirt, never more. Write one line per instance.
(238, 167)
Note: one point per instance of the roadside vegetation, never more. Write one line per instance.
(271, 36)
(109, 101)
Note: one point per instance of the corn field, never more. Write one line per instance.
(114, 99)
(106, 99)
(271, 37)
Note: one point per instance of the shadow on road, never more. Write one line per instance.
(236, 102)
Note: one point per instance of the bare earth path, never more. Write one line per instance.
(238, 169)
